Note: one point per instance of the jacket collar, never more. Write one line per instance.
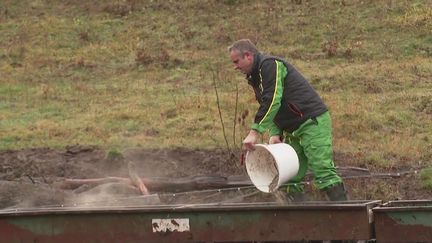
(253, 76)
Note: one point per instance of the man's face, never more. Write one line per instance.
(243, 63)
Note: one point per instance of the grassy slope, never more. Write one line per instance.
(129, 73)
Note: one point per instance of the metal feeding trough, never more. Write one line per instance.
(350, 220)
(404, 221)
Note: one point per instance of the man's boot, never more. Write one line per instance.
(337, 192)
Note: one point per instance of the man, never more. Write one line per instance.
(288, 104)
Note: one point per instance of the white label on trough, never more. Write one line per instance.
(170, 225)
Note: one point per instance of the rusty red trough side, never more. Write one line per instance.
(192, 223)
(404, 221)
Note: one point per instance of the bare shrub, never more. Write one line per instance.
(424, 105)
(119, 8)
(221, 36)
(163, 58)
(143, 58)
(330, 48)
(84, 36)
(372, 86)
(351, 47)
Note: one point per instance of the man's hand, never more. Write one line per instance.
(275, 139)
(250, 141)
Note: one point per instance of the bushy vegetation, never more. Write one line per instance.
(134, 73)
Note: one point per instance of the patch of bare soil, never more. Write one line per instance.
(84, 176)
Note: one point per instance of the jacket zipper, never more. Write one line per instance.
(295, 109)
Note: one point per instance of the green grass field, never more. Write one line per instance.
(122, 74)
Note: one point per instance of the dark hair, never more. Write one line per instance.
(242, 46)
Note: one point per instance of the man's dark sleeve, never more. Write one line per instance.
(272, 74)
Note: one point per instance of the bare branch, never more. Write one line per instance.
(220, 113)
(235, 115)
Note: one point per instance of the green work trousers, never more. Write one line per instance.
(312, 142)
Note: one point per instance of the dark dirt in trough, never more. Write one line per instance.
(33, 178)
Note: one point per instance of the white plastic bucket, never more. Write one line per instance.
(271, 165)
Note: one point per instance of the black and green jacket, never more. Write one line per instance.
(286, 98)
